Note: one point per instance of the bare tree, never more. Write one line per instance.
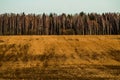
(53, 24)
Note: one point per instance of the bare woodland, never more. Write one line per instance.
(64, 24)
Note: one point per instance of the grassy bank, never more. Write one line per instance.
(60, 57)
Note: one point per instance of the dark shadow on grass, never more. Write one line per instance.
(115, 54)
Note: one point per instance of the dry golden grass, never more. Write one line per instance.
(87, 57)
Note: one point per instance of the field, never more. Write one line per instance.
(60, 57)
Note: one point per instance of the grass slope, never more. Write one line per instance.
(60, 57)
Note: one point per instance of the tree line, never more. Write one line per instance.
(63, 24)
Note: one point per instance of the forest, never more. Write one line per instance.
(62, 24)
